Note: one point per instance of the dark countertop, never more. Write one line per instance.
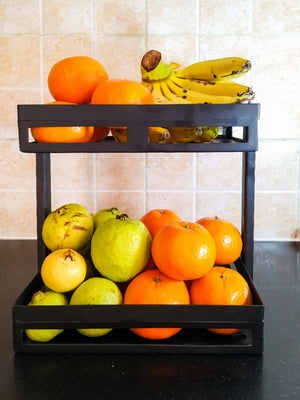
(273, 375)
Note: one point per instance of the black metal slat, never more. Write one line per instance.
(136, 117)
(43, 200)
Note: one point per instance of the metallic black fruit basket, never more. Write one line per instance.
(239, 135)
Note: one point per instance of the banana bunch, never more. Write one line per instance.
(156, 134)
(203, 82)
(206, 82)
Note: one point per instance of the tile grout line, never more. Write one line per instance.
(41, 51)
(197, 30)
(94, 155)
(195, 157)
(251, 39)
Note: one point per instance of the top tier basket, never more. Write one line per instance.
(193, 338)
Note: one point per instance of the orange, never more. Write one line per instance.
(221, 286)
(62, 134)
(227, 239)
(153, 287)
(183, 250)
(121, 91)
(74, 79)
(100, 133)
(157, 218)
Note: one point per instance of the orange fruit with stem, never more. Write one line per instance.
(62, 134)
(227, 238)
(183, 250)
(153, 287)
(157, 218)
(73, 79)
(221, 286)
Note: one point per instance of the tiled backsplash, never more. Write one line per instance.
(34, 34)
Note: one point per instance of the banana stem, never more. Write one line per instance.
(151, 60)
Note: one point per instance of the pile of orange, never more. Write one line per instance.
(188, 252)
(84, 80)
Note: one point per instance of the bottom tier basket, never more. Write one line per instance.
(194, 319)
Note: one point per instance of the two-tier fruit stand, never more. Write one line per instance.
(193, 338)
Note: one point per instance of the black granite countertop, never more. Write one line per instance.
(272, 375)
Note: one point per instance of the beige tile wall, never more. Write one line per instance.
(34, 34)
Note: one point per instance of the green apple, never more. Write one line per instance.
(97, 291)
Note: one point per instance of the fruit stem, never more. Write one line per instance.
(152, 67)
(157, 279)
(69, 254)
(222, 276)
(151, 60)
(123, 217)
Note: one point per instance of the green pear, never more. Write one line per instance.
(105, 214)
(70, 226)
(48, 298)
(120, 248)
(96, 291)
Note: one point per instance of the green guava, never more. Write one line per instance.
(121, 248)
(48, 298)
(70, 226)
(97, 291)
(103, 215)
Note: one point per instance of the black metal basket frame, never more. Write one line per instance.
(194, 319)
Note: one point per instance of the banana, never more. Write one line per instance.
(171, 96)
(159, 98)
(156, 134)
(220, 69)
(198, 97)
(182, 134)
(229, 88)
(209, 133)
(193, 134)
(216, 70)
(169, 87)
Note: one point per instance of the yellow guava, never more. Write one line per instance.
(63, 270)
(120, 248)
(70, 226)
(97, 291)
(48, 298)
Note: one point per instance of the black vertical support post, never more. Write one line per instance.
(43, 200)
(248, 210)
